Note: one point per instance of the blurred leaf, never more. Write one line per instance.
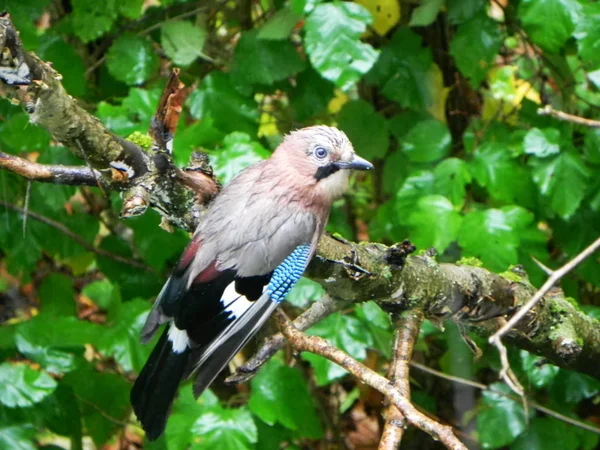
(311, 94)
(572, 387)
(365, 128)
(131, 59)
(91, 19)
(53, 360)
(588, 35)
(500, 419)
(538, 372)
(425, 13)
(332, 42)
(546, 432)
(542, 143)
(379, 325)
(132, 9)
(434, 223)
(280, 25)
(404, 71)
(269, 400)
(386, 14)
(103, 293)
(17, 436)
(475, 46)
(427, 141)
(419, 184)
(195, 137)
(67, 62)
(57, 297)
(451, 176)
(182, 41)
(260, 61)
(225, 428)
(19, 135)
(344, 332)
(549, 23)
(592, 145)
(563, 181)
(493, 235)
(462, 10)
(21, 385)
(305, 292)
(238, 152)
(217, 98)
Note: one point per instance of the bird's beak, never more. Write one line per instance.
(357, 163)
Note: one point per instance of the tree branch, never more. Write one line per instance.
(319, 346)
(565, 117)
(405, 336)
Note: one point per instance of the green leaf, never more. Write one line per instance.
(378, 322)
(57, 297)
(103, 293)
(591, 145)
(260, 61)
(475, 47)
(539, 372)
(280, 25)
(53, 360)
(427, 141)
(121, 338)
(131, 59)
(494, 168)
(563, 181)
(17, 436)
(545, 433)
(500, 419)
(366, 129)
(238, 152)
(332, 42)
(419, 184)
(217, 98)
(91, 19)
(305, 292)
(342, 331)
(451, 176)
(542, 143)
(405, 71)
(493, 235)
(269, 400)
(434, 223)
(460, 11)
(186, 410)
(132, 9)
(19, 135)
(572, 387)
(549, 23)
(182, 41)
(425, 13)
(311, 94)
(194, 137)
(22, 386)
(588, 35)
(67, 62)
(225, 428)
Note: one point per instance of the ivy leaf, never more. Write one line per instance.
(22, 386)
(427, 141)
(131, 59)
(365, 127)
(588, 35)
(542, 143)
(538, 375)
(425, 13)
(546, 432)
(271, 388)
(260, 61)
(493, 235)
(225, 428)
(332, 42)
(91, 19)
(238, 152)
(549, 23)
(405, 71)
(563, 181)
(280, 25)
(434, 223)
(218, 99)
(182, 41)
(451, 176)
(501, 419)
(475, 46)
(342, 331)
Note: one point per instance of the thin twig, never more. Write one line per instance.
(320, 346)
(483, 387)
(77, 238)
(549, 111)
(407, 331)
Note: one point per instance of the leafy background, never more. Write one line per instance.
(442, 95)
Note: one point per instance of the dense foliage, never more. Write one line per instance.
(441, 95)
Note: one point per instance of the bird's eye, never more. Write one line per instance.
(320, 152)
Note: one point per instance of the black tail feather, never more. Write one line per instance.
(155, 388)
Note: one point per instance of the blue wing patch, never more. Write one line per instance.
(288, 273)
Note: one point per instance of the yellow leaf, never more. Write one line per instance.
(267, 125)
(386, 14)
(336, 103)
(439, 94)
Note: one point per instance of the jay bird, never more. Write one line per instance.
(252, 245)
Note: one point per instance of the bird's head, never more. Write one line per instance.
(323, 156)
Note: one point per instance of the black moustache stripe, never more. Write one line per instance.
(324, 171)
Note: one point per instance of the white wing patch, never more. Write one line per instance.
(178, 338)
(234, 302)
